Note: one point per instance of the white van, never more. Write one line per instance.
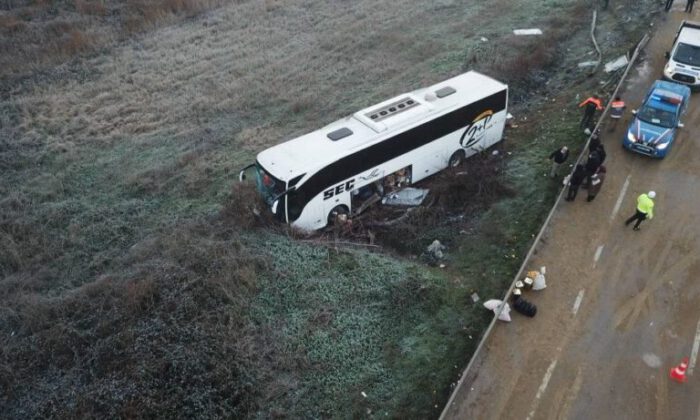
(684, 59)
(310, 180)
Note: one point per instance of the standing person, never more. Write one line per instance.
(595, 141)
(669, 4)
(645, 209)
(601, 153)
(575, 181)
(596, 183)
(689, 6)
(592, 105)
(594, 161)
(617, 109)
(558, 157)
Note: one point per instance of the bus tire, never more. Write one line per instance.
(456, 159)
(335, 212)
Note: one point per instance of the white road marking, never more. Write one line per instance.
(543, 387)
(597, 254)
(577, 303)
(694, 353)
(620, 198)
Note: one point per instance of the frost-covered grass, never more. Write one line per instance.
(358, 322)
(133, 282)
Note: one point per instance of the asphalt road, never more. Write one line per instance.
(621, 307)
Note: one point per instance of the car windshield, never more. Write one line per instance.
(687, 54)
(657, 116)
(269, 186)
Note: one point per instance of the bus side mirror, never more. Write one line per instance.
(274, 206)
(241, 174)
(634, 112)
(680, 124)
(667, 55)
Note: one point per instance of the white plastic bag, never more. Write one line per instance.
(539, 282)
(494, 305)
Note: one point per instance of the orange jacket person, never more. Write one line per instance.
(592, 104)
(617, 109)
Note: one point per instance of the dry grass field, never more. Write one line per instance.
(134, 281)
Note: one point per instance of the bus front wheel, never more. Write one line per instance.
(456, 158)
(336, 212)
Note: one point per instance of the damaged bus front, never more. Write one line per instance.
(272, 190)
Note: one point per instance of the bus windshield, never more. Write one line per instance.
(269, 186)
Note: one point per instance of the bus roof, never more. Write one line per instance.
(373, 124)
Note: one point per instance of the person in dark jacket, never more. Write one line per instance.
(558, 157)
(575, 182)
(596, 183)
(595, 141)
(592, 164)
(669, 4)
(689, 6)
(601, 153)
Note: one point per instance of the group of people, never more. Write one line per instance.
(688, 5)
(591, 174)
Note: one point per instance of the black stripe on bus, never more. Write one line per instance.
(391, 148)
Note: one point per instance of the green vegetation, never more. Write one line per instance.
(135, 282)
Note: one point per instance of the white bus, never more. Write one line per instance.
(309, 180)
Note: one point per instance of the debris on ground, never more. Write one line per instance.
(484, 39)
(617, 63)
(495, 305)
(435, 249)
(536, 278)
(475, 297)
(523, 306)
(588, 64)
(532, 31)
(406, 197)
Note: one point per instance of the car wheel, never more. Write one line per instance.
(456, 158)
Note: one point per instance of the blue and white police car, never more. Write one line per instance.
(654, 127)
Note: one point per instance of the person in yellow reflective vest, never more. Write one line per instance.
(645, 209)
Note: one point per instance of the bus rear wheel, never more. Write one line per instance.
(456, 159)
(336, 212)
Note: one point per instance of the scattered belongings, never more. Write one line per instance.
(618, 63)
(587, 64)
(435, 250)
(484, 39)
(509, 121)
(523, 306)
(408, 196)
(495, 306)
(536, 278)
(532, 31)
